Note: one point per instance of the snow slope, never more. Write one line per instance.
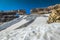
(38, 30)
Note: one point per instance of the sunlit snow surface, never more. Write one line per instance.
(37, 30)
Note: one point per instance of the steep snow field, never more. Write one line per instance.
(37, 30)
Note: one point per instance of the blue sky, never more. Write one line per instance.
(26, 4)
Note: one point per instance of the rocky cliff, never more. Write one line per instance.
(55, 13)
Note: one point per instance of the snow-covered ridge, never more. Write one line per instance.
(37, 30)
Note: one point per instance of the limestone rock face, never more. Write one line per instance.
(54, 16)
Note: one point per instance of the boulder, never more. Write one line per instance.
(54, 16)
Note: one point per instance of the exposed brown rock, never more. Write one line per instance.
(53, 10)
(54, 7)
(39, 11)
(44, 10)
(21, 12)
(54, 16)
(33, 11)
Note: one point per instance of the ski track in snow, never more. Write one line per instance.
(38, 30)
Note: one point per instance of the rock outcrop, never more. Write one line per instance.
(54, 16)
(39, 11)
(9, 15)
(54, 7)
(21, 12)
(44, 10)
